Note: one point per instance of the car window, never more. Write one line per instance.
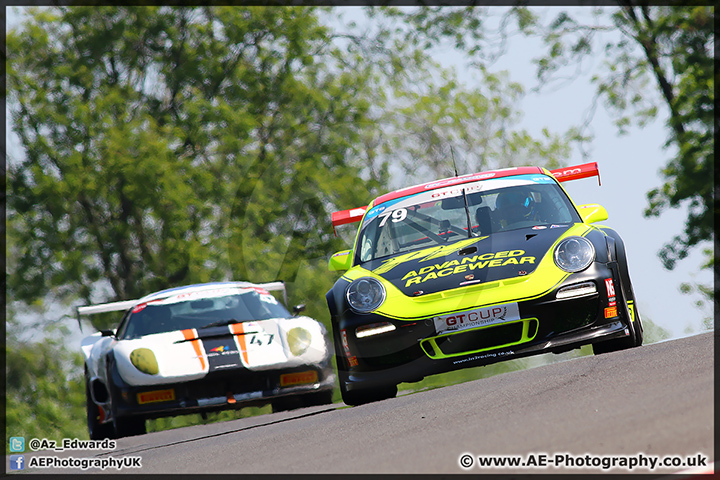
(173, 314)
(439, 216)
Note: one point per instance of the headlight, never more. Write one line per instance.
(574, 254)
(144, 360)
(365, 294)
(374, 329)
(299, 340)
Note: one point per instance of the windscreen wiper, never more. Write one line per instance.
(220, 323)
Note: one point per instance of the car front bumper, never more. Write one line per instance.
(414, 349)
(219, 391)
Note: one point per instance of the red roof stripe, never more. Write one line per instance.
(448, 182)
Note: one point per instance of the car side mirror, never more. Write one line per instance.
(298, 308)
(592, 212)
(340, 261)
(107, 333)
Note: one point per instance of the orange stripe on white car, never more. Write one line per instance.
(191, 334)
(239, 333)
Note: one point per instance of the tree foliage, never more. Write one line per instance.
(659, 60)
(167, 146)
(45, 393)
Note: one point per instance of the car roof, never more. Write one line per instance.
(450, 181)
(199, 287)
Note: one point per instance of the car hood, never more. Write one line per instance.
(190, 354)
(472, 261)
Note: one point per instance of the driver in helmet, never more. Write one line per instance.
(514, 207)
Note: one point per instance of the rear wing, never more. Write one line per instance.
(577, 172)
(347, 216)
(126, 304)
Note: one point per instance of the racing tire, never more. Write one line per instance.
(356, 396)
(123, 426)
(635, 339)
(96, 430)
(128, 426)
(284, 404)
(317, 398)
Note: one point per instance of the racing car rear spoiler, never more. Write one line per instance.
(577, 172)
(347, 216)
(561, 175)
(125, 304)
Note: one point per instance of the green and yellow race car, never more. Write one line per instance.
(472, 270)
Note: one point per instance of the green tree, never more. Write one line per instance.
(448, 126)
(431, 122)
(45, 393)
(659, 60)
(166, 146)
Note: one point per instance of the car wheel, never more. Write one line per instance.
(284, 404)
(123, 426)
(356, 396)
(96, 430)
(127, 426)
(317, 398)
(635, 339)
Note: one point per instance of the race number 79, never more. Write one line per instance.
(397, 216)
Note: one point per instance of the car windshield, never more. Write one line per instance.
(439, 216)
(202, 309)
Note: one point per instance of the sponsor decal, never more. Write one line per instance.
(156, 396)
(451, 181)
(557, 226)
(377, 210)
(467, 264)
(609, 287)
(267, 298)
(352, 359)
(299, 378)
(469, 277)
(611, 312)
(346, 346)
(539, 227)
(569, 171)
(542, 179)
(425, 255)
(503, 353)
(478, 317)
(139, 307)
(220, 354)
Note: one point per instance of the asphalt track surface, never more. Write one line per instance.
(655, 401)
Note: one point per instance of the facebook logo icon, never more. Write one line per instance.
(17, 462)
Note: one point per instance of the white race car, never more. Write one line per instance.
(200, 348)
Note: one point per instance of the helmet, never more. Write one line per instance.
(515, 206)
